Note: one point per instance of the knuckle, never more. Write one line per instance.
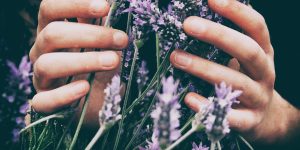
(32, 57)
(40, 67)
(49, 34)
(260, 23)
(253, 55)
(43, 11)
(103, 10)
(270, 80)
(35, 102)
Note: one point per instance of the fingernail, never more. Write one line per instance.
(221, 3)
(119, 39)
(108, 59)
(194, 25)
(98, 6)
(182, 59)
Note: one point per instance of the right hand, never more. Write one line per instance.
(55, 54)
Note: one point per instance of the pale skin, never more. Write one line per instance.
(262, 116)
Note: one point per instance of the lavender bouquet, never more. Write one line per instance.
(151, 115)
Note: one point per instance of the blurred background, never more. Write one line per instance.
(18, 21)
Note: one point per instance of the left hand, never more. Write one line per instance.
(261, 106)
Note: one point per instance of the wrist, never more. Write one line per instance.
(290, 120)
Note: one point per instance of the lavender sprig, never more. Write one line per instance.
(142, 76)
(110, 112)
(199, 147)
(166, 114)
(216, 123)
(213, 116)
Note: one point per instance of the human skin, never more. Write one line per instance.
(262, 116)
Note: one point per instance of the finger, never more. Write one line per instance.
(242, 120)
(247, 18)
(59, 35)
(50, 101)
(57, 65)
(234, 64)
(215, 73)
(55, 10)
(195, 101)
(238, 45)
(239, 119)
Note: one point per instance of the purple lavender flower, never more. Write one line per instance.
(127, 56)
(154, 143)
(109, 113)
(216, 123)
(200, 147)
(146, 16)
(19, 81)
(142, 76)
(166, 114)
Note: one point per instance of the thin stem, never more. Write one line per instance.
(219, 145)
(237, 144)
(105, 139)
(91, 79)
(65, 133)
(212, 146)
(152, 83)
(127, 94)
(187, 124)
(246, 142)
(96, 137)
(142, 123)
(182, 138)
(58, 115)
(41, 136)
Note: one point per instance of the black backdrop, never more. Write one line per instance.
(281, 17)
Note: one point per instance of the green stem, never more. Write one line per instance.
(41, 136)
(152, 83)
(127, 94)
(96, 137)
(105, 139)
(246, 142)
(212, 146)
(187, 124)
(91, 79)
(65, 133)
(57, 115)
(219, 145)
(143, 121)
(182, 138)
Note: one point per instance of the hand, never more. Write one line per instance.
(263, 115)
(56, 56)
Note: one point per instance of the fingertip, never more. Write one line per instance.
(120, 39)
(85, 86)
(194, 25)
(99, 8)
(109, 60)
(195, 101)
(218, 5)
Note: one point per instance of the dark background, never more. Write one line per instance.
(281, 17)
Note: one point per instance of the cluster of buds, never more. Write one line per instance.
(216, 123)
(166, 114)
(109, 114)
